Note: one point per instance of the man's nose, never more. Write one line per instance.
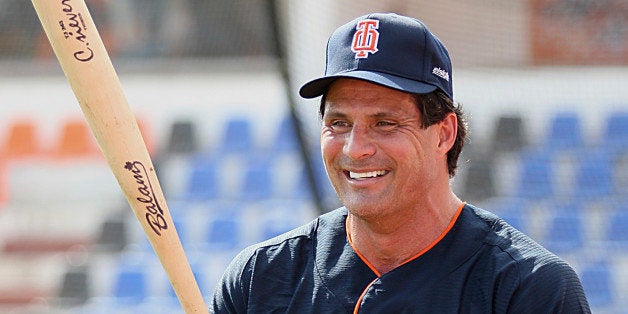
(359, 144)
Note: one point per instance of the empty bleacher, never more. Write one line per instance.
(567, 190)
(564, 190)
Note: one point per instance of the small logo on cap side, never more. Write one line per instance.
(365, 38)
(441, 73)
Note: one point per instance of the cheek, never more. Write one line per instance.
(412, 155)
(409, 146)
(330, 147)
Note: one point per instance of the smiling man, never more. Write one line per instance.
(403, 241)
(389, 169)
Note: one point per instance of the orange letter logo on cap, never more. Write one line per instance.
(365, 38)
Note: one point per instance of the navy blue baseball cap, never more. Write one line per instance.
(387, 49)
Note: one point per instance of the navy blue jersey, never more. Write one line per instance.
(482, 265)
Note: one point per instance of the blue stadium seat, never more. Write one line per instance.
(224, 232)
(594, 176)
(565, 232)
(130, 286)
(615, 135)
(285, 139)
(536, 177)
(597, 281)
(237, 137)
(564, 132)
(258, 181)
(204, 180)
(617, 235)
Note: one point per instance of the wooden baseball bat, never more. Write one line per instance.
(88, 68)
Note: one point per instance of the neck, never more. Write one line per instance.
(383, 243)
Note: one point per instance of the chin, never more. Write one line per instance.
(363, 208)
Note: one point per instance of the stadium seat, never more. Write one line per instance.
(75, 287)
(113, 235)
(565, 233)
(615, 134)
(509, 134)
(594, 176)
(597, 281)
(224, 232)
(203, 182)
(617, 235)
(536, 178)
(237, 137)
(75, 141)
(258, 181)
(22, 140)
(285, 139)
(130, 285)
(182, 138)
(564, 132)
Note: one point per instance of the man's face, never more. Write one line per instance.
(378, 157)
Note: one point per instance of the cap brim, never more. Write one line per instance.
(319, 86)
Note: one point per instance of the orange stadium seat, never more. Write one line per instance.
(75, 140)
(21, 140)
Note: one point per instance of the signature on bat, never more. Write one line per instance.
(154, 213)
(74, 27)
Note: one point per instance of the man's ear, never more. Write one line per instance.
(447, 132)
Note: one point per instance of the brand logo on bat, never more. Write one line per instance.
(365, 38)
(74, 27)
(154, 213)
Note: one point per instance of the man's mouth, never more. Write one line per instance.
(366, 175)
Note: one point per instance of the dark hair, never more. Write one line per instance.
(434, 107)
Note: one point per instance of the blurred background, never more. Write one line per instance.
(213, 84)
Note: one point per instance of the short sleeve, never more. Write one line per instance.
(551, 288)
(230, 292)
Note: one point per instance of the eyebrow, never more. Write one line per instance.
(333, 114)
(339, 114)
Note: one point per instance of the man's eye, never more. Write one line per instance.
(385, 123)
(339, 124)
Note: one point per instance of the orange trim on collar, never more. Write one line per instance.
(440, 237)
(427, 248)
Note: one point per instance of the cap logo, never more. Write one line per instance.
(441, 73)
(365, 38)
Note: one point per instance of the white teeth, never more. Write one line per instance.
(365, 175)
